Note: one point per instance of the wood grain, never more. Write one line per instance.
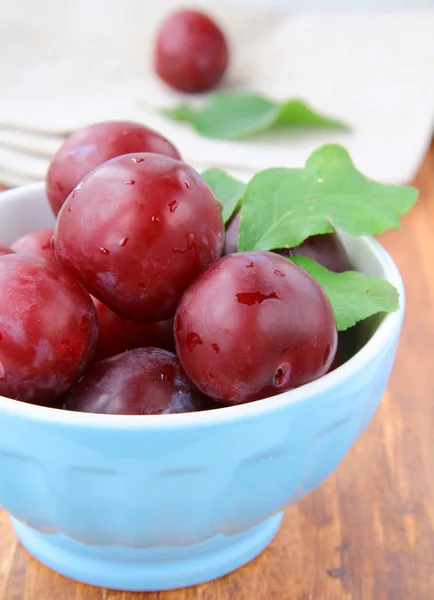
(368, 532)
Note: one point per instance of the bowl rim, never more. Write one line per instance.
(379, 342)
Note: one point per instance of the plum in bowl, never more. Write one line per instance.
(159, 502)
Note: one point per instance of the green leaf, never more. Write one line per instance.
(283, 207)
(353, 296)
(231, 116)
(296, 112)
(227, 190)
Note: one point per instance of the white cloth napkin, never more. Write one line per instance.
(65, 65)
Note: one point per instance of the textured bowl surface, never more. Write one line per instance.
(194, 495)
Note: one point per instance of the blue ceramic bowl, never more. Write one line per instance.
(158, 502)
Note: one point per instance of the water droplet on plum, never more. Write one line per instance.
(326, 355)
(76, 189)
(123, 242)
(281, 376)
(104, 251)
(191, 243)
(173, 206)
(252, 298)
(193, 340)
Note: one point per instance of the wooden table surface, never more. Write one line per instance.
(368, 532)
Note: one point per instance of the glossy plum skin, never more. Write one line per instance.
(91, 146)
(48, 329)
(231, 235)
(116, 335)
(326, 249)
(191, 52)
(254, 325)
(36, 242)
(137, 231)
(144, 381)
(5, 250)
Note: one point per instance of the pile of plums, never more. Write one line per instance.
(129, 307)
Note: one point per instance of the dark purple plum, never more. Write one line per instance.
(137, 231)
(144, 381)
(91, 146)
(254, 324)
(48, 329)
(191, 52)
(116, 335)
(325, 249)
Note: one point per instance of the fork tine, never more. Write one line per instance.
(47, 155)
(11, 178)
(21, 165)
(35, 130)
(15, 148)
(36, 152)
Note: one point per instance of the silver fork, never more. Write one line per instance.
(11, 176)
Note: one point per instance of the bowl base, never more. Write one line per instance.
(149, 569)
